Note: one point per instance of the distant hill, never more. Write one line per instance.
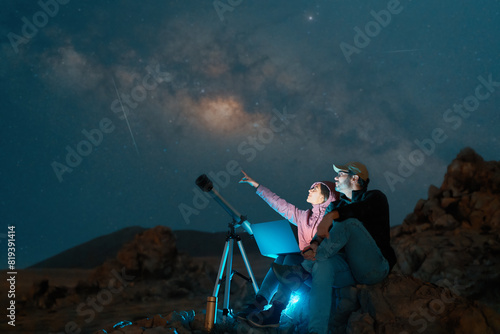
(94, 252)
(91, 253)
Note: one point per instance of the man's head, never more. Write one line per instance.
(351, 176)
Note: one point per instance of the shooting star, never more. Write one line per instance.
(126, 119)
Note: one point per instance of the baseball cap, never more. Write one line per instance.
(356, 168)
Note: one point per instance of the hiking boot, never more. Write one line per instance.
(258, 305)
(269, 318)
(290, 276)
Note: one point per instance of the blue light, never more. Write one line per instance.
(122, 324)
(296, 310)
(294, 299)
(292, 304)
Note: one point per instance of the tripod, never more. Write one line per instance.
(227, 256)
(227, 263)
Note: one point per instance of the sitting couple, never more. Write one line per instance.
(344, 240)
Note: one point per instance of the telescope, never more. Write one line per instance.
(226, 263)
(239, 220)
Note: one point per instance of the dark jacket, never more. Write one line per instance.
(372, 209)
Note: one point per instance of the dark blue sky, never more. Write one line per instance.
(282, 90)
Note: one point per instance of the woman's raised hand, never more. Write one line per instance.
(249, 180)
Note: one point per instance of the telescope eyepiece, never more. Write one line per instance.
(204, 183)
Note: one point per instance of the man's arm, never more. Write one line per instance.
(324, 226)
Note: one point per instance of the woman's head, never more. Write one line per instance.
(315, 194)
(321, 192)
(318, 193)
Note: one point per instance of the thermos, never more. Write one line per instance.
(210, 317)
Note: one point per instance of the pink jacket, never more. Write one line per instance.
(306, 220)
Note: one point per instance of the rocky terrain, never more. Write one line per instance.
(149, 277)
(446, 281)
(454, 235)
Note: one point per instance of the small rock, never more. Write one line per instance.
(446, 222)
(447, 201)
(132, 329)
(198, 322)
(433, 192)
(146, 322)
(159, 321)
(422, 227)
(360, 323)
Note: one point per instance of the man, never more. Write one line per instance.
(352, 245)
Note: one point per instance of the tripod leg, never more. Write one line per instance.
(247, 265)
(229, 274)
(221, 268)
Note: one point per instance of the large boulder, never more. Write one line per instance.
(406, 305)
(153, 268)
(454, 235)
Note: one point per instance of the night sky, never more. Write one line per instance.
(112, 109)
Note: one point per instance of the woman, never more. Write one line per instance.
(321, 194)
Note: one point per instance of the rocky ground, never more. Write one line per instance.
(453, 236)
(446, 281)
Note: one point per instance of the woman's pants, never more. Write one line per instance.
(271, 287)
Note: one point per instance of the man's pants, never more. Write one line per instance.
(362, 262)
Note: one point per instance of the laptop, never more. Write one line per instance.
(275, 238)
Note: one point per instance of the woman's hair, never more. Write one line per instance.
(325, 191)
